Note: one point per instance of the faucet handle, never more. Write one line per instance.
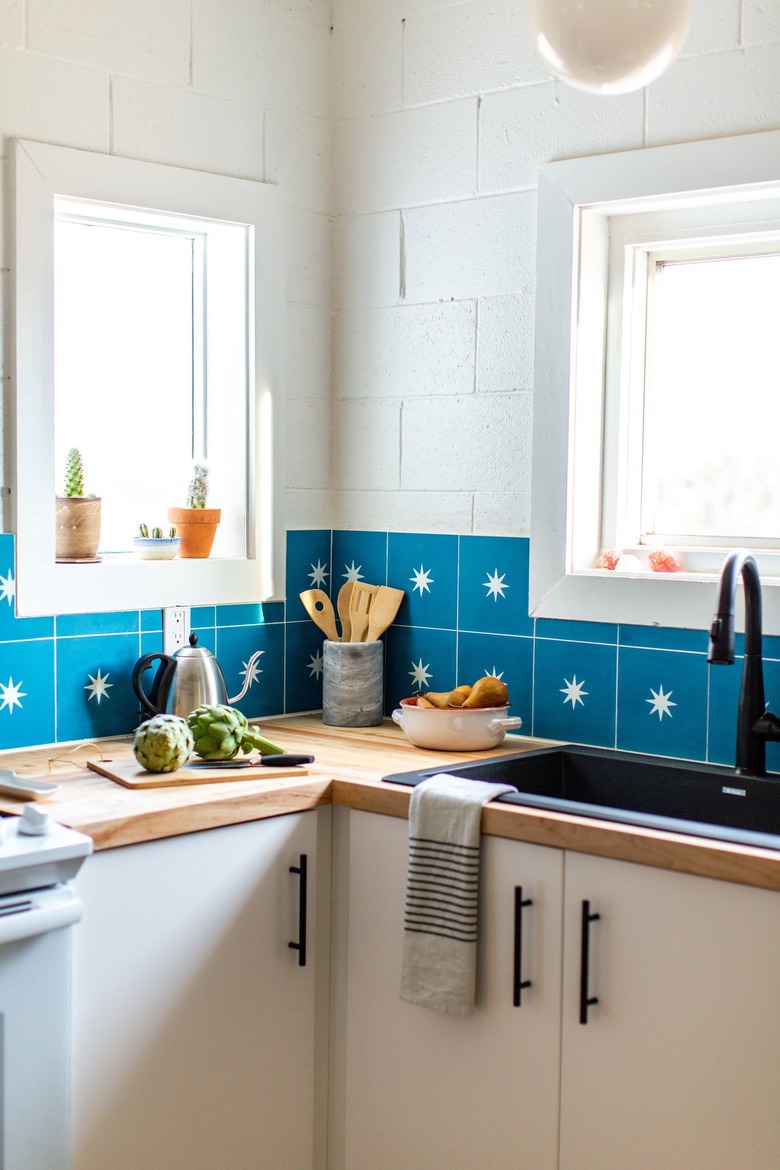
(767, 727)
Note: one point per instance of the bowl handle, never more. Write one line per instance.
(509, 724)
(398, 716)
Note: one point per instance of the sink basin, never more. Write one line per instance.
(701, 799)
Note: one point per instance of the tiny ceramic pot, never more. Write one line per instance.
(456, 729)
(150, 548)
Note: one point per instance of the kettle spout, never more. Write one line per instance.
(249, 676)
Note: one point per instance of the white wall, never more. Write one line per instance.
(219, 85)
(442, 114)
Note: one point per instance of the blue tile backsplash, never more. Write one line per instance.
(465, 615)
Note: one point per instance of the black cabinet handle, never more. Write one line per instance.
(300, 945)
(518, 983)
(586, 1000)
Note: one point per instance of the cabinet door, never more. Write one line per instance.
(678, 1066)
(425, 1089)
(194, 1024)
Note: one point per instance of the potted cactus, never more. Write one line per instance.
(156, 547)
(196, 524)
(77, 516)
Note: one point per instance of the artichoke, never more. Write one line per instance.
(220, 732)
(163, 743)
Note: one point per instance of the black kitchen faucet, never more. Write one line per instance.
(755, 725)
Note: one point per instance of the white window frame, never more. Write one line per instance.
(577, 201)
(42, 172)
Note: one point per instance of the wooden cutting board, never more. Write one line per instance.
(131, 775)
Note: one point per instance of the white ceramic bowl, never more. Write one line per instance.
(150, 548)
(456, 729)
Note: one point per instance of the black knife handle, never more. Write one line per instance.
(285, 760)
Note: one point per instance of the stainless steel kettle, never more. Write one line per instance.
(186, 680)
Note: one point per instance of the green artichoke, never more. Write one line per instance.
(163, 743)
(221, 732)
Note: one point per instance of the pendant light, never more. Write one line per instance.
(609, 46)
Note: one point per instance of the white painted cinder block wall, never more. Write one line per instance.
(421, 124)
(442, 114)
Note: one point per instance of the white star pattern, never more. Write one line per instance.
(318, 574)
(660, 703)
(8, 587)
(11, 695)
(419, 673)
(353, 572)
(98, 686)
(315, 665)
(252, 669)
(493, 673)
(573, 692)
(495, 584)
(422, 580)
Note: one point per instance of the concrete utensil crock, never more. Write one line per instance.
(352, 683)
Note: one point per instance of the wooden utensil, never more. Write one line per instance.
(342, 604)
(359, 607)
(384, 607)
(319, 607)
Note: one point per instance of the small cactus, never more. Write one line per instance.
(143, 531)
(198, 489)
(172, 532)
(74, 474)
(157, 534)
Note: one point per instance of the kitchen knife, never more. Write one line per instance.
(280, 760)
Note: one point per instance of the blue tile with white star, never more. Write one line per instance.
(494, 585)
(417, 660)
(574, 692)
(308, 567)
(13, 628)
(304, 667)
(358, 556)
(236, 646)
(510, 659)
(94, 690)
(662, 702)
(26, 693)
(426, 568)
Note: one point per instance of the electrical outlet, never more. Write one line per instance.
(176, 628)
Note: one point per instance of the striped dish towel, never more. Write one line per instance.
(442, 891)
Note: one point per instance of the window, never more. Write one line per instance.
(658, 369)
(149, 335)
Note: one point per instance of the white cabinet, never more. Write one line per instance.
(195, 1030)
(677, 1066)
(422, 1089)
(679, 1063)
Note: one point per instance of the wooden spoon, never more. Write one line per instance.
(384, 607)
(342, 604)
(319, 607)
(359, 607)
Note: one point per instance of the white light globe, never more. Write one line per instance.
(609, 46)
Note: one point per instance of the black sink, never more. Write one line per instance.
(703, 799)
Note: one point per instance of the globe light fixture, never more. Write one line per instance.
(609, 46)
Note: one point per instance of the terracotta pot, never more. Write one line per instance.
(78, 528)
(197, 528)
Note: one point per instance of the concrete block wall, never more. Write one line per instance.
(236, 88)
(442, 114)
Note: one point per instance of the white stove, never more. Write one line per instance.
(38, 858)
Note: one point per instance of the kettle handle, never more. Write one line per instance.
(161, 682)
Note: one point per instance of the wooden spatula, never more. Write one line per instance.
(342, 604)
(359, 607)
(319, 607)
(384, 607)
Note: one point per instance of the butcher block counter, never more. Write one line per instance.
(348, 769)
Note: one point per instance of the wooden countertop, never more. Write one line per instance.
(348, 769)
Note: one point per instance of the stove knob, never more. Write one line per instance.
(34, 822)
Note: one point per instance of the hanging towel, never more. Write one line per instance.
(440, 923)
